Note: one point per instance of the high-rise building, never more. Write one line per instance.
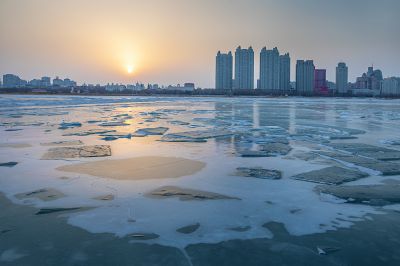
(305, 77)
(269, 69)
(284, 72)
(244, 68)
(320, 83)
(224, 71)
(342, 78)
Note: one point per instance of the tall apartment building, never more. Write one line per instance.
(305, 77)
(244, 68)
(342, 78)
(269, 69)
(224, 71)
(284, 72)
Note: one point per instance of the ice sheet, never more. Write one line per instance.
(251, 122)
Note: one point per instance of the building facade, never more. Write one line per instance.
(391, 87)
(305, 77)
(284, 72)
(13, 81)
(244, 68)
(369, 83)
(342, 78)
(224, 71)
(269, 69)
(320, 83)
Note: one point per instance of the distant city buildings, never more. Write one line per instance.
(14, 81)
(224, 71)
(244, 69)
(275, 71)
(274, 79)
(342, 78)
(305, 77)
(115, 87)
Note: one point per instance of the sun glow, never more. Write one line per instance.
(129, 69)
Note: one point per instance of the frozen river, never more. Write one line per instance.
(177, 172)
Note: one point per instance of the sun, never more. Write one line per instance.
(129, 69)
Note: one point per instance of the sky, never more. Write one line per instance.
(176, 41)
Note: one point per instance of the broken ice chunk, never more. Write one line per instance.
(186, 194)
(331, 175)
(114, 124)
(258, 172)
(326, 250)
(67, 125)
(364, 194)
(150, 131)
(77, 152)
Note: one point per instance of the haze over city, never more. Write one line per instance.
(171, 42)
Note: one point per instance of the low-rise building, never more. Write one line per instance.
(185, 87)
(13, 81)
(391, 87)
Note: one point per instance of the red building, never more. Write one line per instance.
(320, 83)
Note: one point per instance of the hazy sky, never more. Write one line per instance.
(175, 41)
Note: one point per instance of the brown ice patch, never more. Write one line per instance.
(186, 194)
(77, 152)
(15, 145)
(138, 168)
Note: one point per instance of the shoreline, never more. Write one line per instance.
(199, 95)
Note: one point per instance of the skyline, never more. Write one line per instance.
(100, 45)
